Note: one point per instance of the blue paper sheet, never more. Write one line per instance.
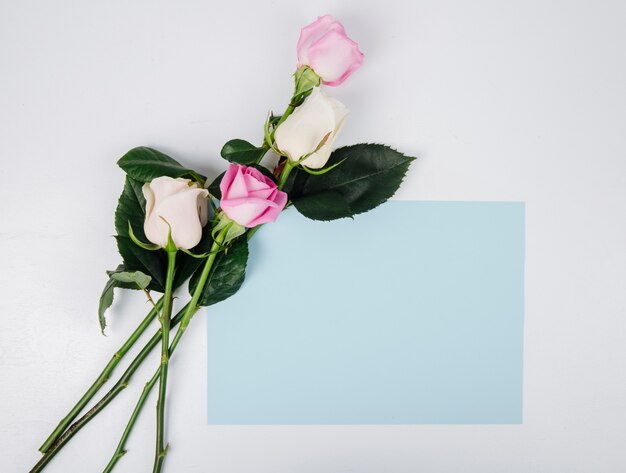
(409, 314)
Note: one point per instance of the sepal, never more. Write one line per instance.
(319, 172)
(267, 134)
(233, 229)
(202, 255)
(305, 80)
(141, 244)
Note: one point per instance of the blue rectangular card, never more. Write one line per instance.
(409, 314)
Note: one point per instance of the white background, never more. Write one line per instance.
(520, 101)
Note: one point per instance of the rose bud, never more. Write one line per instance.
(178, 206)
(319, 117)
(325, 47)
(249, 197)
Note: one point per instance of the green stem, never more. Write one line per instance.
(288, 111)
(204, 276)
(120, 451)
(187, 315)
(121, 384)
(186, 312)
(161, 450)
(288, 167)
(101, 379)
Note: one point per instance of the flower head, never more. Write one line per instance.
(177, 207)
(249, 197)
(327, 49)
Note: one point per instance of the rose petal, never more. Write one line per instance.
(261, 193)
(180, 211)
(243, 212)
(312, 32)
(254, 184)
(149, 196)
(157, 190)
(253, 199)
(271, 213)
(165, 186)
(306, 127)
(260, 176)
(238, 186)
(228, 178)
(334, 57)
(319, 159)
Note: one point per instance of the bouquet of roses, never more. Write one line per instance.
(173, 228)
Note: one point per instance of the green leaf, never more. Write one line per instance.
(370, 175)
(242, 152)
(131, 208)
(227, 275)
(145, 164)
(214, 187)
(106, 300)
(123, 284)
(328, 205)
(137, 277)
(148, 262)
(123, 279)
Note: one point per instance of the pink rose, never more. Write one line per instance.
(249, 197)
(325, 47)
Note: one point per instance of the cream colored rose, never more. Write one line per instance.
(303, 131)
(176, 204)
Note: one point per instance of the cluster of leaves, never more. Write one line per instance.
(146, 270)
(360, 178)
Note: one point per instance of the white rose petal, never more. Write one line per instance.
(176, 204)
(302, 132)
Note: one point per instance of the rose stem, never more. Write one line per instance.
(133, 367)
(102, 378)
(121, 384)
(164, 319)
(192, 308)
(120, 451)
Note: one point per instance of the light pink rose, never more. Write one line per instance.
(325, 47)
(249, 197)
(178, 206)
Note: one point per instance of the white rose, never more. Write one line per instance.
(176, 204)
(303, 130)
